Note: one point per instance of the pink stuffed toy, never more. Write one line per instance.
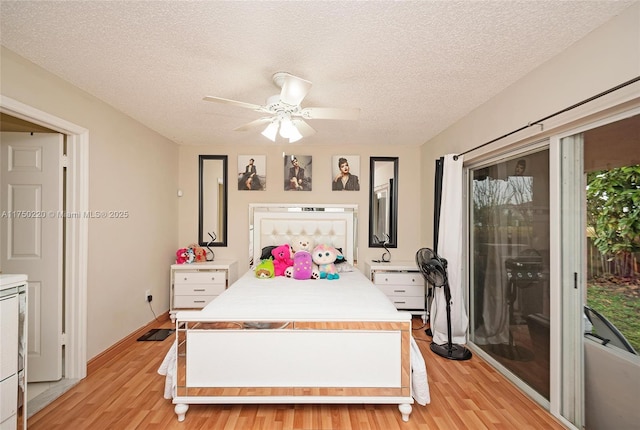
(281, 259)
(182, 256)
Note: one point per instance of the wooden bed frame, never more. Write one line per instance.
(341, 360)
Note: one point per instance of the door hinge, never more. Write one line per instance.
(63, 339)
(64, 161)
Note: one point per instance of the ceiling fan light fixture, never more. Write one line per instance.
(271, 131)
(295, 136)
(288, 130)
(284, 113)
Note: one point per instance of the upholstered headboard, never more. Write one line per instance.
(277, 224)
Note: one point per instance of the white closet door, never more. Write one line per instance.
(31, 231)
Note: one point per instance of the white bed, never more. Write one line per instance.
(282, 340)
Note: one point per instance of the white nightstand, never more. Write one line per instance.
(402, 282)
(194, 285)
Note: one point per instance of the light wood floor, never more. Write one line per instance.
(124, 391)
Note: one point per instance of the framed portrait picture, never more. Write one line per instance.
(252, 172)
(345, 171)
(298, 170)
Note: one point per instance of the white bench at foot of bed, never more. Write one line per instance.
(299, 362)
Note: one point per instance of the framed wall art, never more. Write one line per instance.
(298, 170)
(345, 170)
(252, 172)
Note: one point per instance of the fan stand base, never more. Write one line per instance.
(453, 352)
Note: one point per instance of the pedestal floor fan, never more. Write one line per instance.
(434, 271)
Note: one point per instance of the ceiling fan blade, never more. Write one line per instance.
(254, 124)
(294, 89)
(304, 128)
(330, 113)
(234, 103)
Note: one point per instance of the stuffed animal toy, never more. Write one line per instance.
(199, 253)
(265, 269)
(181, 256)
(281, 259)
(302, 243)
(191, 256)
(302, 266)
(325, 256)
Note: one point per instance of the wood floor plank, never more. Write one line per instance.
(126, 392)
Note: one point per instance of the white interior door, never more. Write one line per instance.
(31, 233)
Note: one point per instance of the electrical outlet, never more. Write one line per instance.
(147, 296)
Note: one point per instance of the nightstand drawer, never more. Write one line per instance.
(398, 278)
(402, 283)
(402, 290)
(200, 277)
(198, 289)
(194, 285)
(402, 302)
(193, 302)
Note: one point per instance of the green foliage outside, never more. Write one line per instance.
(613, 212)
(613, 217)
(620, 304)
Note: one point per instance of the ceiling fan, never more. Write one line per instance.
(284, 111)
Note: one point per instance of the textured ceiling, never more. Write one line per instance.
(413, 68)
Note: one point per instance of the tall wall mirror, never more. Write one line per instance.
(212, 222)
(383, 202)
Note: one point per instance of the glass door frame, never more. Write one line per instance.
(569, 255)
(508, 154)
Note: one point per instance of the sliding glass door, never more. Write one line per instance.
(553, 228)
(509, 264)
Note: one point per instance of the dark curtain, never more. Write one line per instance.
(437, 201)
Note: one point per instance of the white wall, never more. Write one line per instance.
(131, 168)
(605, 58)
(409, 220)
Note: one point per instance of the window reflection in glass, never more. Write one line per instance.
(509, 226)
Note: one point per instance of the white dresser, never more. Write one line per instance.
(196, 284)
(402, 282)
(13, 346)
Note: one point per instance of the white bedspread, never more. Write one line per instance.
(351, 298)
